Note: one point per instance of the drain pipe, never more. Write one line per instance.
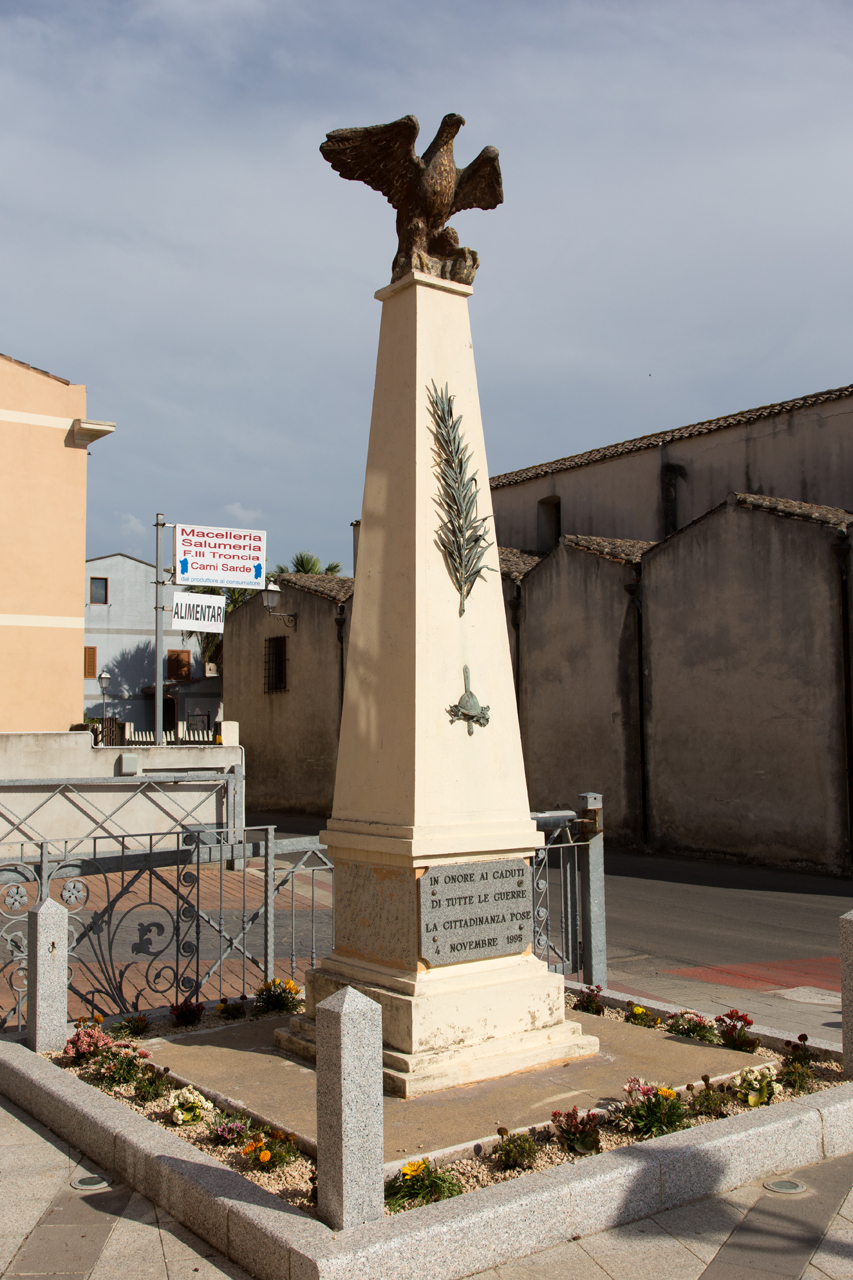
(635, 591)
(340, 620)
(841, 550)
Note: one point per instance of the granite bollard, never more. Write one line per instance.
(845, 924)
(47, 977)
(350, 1181)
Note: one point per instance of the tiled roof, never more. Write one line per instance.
(34, 368)
(329, 585)
(625, 550)
(515, 564)
(665, 437)
(836, 516)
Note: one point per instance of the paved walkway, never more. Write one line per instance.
(47, 1228)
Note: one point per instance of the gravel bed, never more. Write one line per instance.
(294, 1183)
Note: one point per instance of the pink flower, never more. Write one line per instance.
(143, 1053)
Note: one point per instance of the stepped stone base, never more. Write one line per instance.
(407, 1075)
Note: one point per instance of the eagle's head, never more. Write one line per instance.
(451, 124)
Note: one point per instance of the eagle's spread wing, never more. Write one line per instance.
(382, 155)
(479, 184)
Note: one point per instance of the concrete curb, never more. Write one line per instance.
(454, 1238)
(770, 1037)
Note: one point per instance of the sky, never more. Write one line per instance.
(674, 243)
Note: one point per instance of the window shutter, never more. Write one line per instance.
(178, 665)
(90, 663)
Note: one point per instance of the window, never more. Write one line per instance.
(275, 664)
(178, 664)
(90, 663)
(98, 591)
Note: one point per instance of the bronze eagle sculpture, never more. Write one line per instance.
(425, 190)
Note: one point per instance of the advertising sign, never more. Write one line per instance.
(211, 555)
(195, 612)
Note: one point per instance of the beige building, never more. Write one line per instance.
(283, 680)
(649, 487)
(44, 438)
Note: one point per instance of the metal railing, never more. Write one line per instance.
(148, 924)
(165, 791)
(569, 931)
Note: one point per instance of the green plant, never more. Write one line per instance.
(515, 1150)
(706, 1101)
(87, 1042)
(118, 1063)
(187, 1013)
(228, 1131)
(640, 1017)
(131, 1027)
(270, 1149)
(589, 1001)
(188, 1106)
(650, 1109)
(577, 1133)
(799, 1051)
(756, 1086)
(278, 997)
(420, 1182)
(232, 1010)
(795, 1076)
(693, 1026)
(734, 1031)
(151, 1084)
(796, 1071)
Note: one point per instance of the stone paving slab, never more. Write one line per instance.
(239, 1062)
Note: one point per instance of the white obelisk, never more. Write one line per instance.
(417, 792)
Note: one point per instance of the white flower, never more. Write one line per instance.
(177, 1117)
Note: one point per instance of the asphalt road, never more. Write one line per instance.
(770, 931)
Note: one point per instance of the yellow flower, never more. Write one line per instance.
(667, 1093)
(291, 987)
(638, 1008)
(276, 981)
(414, 1167)
(98, 1018)
(220, 1006)
(264, 1156)
(247, 1151)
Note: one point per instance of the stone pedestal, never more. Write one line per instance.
(423, 783)
(47, 977)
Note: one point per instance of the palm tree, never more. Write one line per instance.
(307, 562)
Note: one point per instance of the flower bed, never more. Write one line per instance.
(268, 1156)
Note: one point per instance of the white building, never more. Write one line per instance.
(119, 639)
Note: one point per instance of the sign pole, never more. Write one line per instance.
(158, 632)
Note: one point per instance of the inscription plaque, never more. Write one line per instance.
(475, 910)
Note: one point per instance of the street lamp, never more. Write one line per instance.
(103, 681)
(270, 597)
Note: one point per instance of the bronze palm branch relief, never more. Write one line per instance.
(461, 535)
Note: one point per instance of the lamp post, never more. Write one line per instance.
(104, 681)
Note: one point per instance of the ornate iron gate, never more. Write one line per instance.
(150, 925)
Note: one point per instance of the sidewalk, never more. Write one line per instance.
(49, 1229)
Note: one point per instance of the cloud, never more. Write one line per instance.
(675, 206)
(238, 512)
(131, 527)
